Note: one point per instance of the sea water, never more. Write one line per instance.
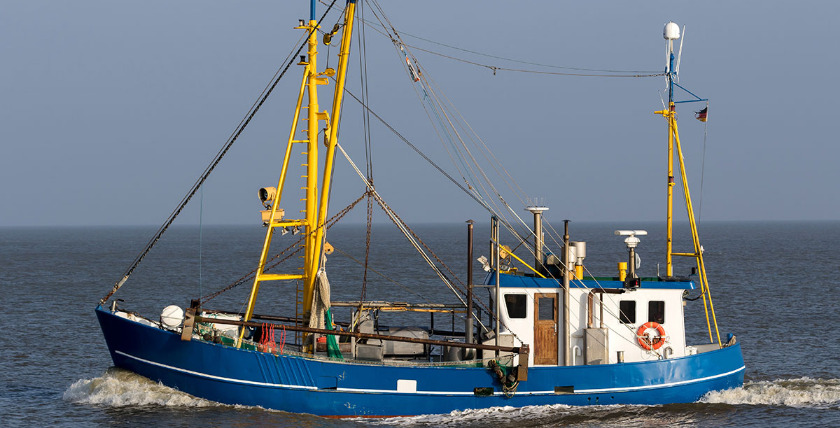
(774, 286)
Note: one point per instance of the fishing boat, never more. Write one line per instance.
(551, 334)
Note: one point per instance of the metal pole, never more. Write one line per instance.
(538, 236)
(566, 272)
(495, 222)
(468, 328)
(669, 224)
(538, 242)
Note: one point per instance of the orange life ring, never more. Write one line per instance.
(654, 343)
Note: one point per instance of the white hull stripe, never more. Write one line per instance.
(663, 385)
(205, 375)
(391, 391)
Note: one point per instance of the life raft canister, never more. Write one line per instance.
(654, 343)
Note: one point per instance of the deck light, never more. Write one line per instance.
(266, 195)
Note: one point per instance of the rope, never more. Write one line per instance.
(361, 35)
(495, 68)
(282, 340)
(222, 152)
(367, 250)
(267, 341)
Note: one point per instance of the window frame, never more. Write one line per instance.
(627, 317)
(523, 308)
(660, 311)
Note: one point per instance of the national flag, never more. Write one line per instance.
(702, 114)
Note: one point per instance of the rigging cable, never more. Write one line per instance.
(404, 229)
(439, 108)
(200, 236)
(523, 61)
(400, 225)
(418, 151)
(222, 152)
(495, 68)
(509, 178)
(363, 80)
(472, 192)
(431, 162)
(703, 164)
(626, 73)
(439, 104)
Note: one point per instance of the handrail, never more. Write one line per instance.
(523, 350)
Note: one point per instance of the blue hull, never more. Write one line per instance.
(302, 385)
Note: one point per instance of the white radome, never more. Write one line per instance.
(672, 31)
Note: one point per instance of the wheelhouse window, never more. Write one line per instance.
(516, 305)
(627, 311)
(656, 311)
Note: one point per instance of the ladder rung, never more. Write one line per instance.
(278, 276)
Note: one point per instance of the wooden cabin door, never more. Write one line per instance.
(545, 328)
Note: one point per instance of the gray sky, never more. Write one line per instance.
(110, 110)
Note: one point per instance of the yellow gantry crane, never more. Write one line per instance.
(315, 211)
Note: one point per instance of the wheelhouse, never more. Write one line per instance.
(609, 322)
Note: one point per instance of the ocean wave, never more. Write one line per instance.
(489, 416)
(121, 388)
(801, 392)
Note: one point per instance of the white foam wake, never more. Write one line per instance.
(120, 388)
(802, 392)
(489, 416)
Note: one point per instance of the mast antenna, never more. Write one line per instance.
(679, 53)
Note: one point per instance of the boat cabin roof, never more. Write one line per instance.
(520, 280)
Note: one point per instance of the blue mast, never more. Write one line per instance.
(671, 74)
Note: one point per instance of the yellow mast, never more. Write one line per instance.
(310, 210)
(313, 218)
(671, 33)
(332, 140)
(669, 269)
